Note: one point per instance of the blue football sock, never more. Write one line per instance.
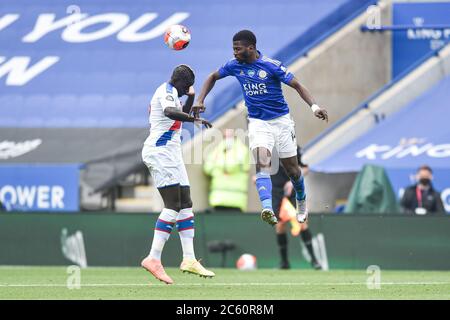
(264, 187)
(299, 186)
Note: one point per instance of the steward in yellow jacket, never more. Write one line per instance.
(228, 166)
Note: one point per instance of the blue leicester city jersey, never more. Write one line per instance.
(261, 85)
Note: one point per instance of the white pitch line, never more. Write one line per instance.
(229, 284)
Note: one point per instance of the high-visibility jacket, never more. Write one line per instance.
(228, 168)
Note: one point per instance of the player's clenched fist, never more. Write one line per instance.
(321, 114)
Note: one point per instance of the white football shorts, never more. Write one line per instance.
(166, 165)
(278, 133)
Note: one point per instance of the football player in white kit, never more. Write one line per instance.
(162, 155)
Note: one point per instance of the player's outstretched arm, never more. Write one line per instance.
(207, 86)
(319, 112)
(175, 114)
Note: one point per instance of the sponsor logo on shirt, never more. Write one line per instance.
(253, 89)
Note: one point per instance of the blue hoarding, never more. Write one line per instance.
(39, 187)
(416, 135)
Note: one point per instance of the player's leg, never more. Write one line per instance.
(287, 149)
(264, 184)
(292, 168)
(306, 236)
(186, 230)
(261, 140)
(158, 160)
(166, 219)
(282, 242)
(280, 228)
(294, 172)
(164, 225)
(185, 223)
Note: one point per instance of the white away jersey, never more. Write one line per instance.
(163, 130)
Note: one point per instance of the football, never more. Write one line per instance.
(177, 37)
(246, 262)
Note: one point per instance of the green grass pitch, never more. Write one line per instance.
(135, 283)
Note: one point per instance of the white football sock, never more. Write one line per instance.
(163, 227)
(185, 225)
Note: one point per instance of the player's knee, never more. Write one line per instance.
(263, 166)
(262, 169)
(293, 172)
(263, 161)
(176, 206)
(263, 157)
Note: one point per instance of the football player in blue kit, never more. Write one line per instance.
(270, 124)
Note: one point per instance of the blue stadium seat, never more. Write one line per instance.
(110, 67)
(116, 111)
(62, 107)
(35, 110)
(10, 110)
(138, 112)
(122, 83)
(90, 110)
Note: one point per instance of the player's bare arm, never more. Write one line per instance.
(175, 114)
(320, 113)
(207, 86)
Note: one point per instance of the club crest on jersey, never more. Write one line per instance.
(251, 72)
(262, 74)
(169, 98)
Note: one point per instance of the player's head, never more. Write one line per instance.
(182, 78)
(424, 175)
(244, 45)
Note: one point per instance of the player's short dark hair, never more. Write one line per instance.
(245, 36)
(425, 167)
(183, 72)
